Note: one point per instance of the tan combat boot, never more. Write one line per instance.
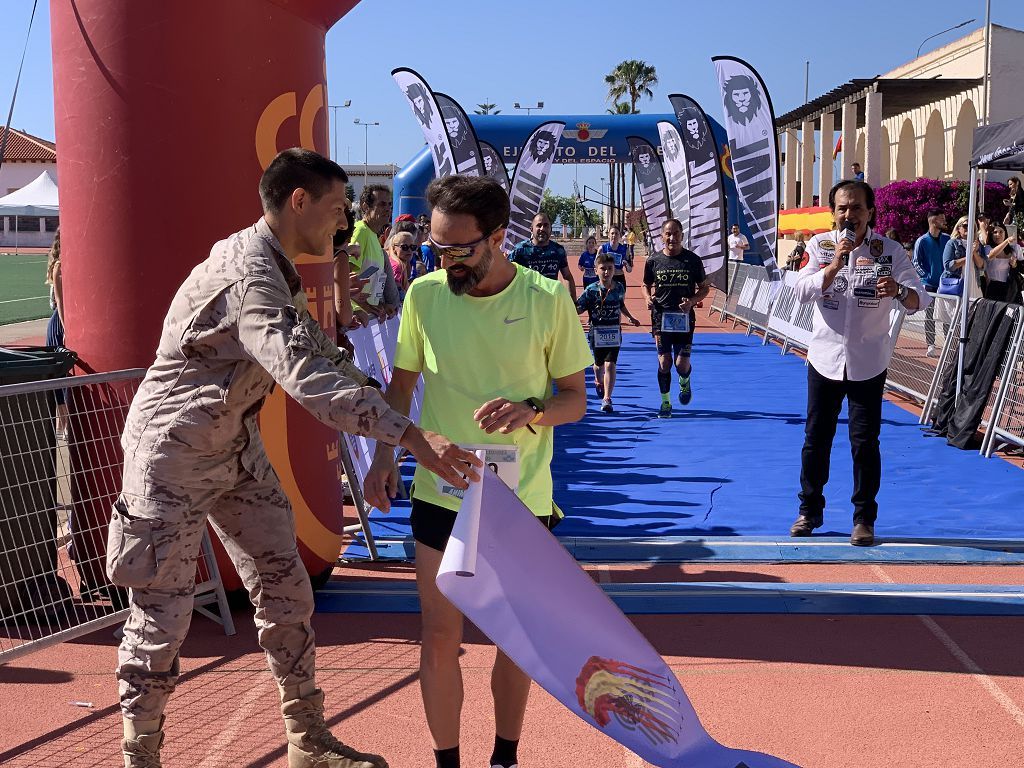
(142, 742)
(310, 743)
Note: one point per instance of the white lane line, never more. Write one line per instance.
(228, 737)
(30, 298)
(966, 661)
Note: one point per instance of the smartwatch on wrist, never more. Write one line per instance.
(538, 407)
(902, 293)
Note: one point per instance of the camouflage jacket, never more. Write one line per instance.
(237, 325)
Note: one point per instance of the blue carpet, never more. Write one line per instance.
(728, 464)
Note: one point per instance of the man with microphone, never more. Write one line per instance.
(855, 277)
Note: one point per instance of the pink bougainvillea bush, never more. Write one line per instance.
(904, 205)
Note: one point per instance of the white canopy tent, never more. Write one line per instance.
(39, 198)
(996, 147)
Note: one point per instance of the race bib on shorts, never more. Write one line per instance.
(675, 322)
(502, 460)
(607, 336)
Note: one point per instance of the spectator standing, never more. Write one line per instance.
(375, 207)
(1002, 257)
(737, 243)
(856, 172)
(798, 258)
(1014, 204)
(55, 327)
(953, 259)
(928, 251)
(400, 247)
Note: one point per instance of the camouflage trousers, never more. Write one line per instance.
(152, 547)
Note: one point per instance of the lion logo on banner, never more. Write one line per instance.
(454, 126)
(695, 130)
(420, 99)
(646, 163)
(542, 146)
(671, 147)
(742, 99)
(637, 699)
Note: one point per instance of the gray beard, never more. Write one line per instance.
(463, 285)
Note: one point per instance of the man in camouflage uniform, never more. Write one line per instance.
(192, 451)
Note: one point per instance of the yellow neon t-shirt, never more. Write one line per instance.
(473, 349)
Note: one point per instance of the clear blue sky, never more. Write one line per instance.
(559, 52)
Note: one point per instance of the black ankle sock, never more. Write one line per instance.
(664, 381)
(504, 752)
(447, 758)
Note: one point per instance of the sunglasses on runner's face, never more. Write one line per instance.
(456, 252)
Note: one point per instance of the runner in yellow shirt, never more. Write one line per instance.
(492, 340)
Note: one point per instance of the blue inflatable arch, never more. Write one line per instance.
(587, 139)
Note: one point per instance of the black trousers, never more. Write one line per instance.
(824, 400)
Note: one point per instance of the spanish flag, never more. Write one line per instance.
(839, 147)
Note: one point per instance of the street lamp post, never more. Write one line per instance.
(366, 143)
(529, 110)
(337, 125)
(961, 24)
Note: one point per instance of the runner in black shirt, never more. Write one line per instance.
(674, 282)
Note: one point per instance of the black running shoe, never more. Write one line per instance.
(606, 407)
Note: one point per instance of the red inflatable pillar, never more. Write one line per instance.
(166, 115)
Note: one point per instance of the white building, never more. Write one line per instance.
(917, 120)
(25, 157)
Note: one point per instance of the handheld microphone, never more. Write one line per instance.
(849, 233)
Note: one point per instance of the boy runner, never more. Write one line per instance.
(605, 303)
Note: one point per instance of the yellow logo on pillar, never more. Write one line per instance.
(278, 112)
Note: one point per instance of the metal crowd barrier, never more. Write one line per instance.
(919, 344)
(1002, 417)
(721, 297)
(55, 501)
(925, 347)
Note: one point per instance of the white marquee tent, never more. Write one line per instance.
(39, 198)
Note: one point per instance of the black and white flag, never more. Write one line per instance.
(469, 160)
(494, 166)
(529, 180)
(676, 174)
(705, 230)
(754, 154)
(428, 114)
(650, 177)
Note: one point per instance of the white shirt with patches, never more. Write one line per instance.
(851, 332)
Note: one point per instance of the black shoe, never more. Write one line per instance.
(606, 407)
(863, 535)
(805, 525)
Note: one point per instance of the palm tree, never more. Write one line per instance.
(631, 80)
(617, 174)
(486, 109)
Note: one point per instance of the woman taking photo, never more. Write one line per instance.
(1001, 258)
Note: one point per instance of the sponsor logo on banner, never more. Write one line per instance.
(876, 248)
(650, 178)
(750, 123)
(529, 180)
(584, 133)
(428, 114)
(705, 233)
(636, 698)
(462, 138)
